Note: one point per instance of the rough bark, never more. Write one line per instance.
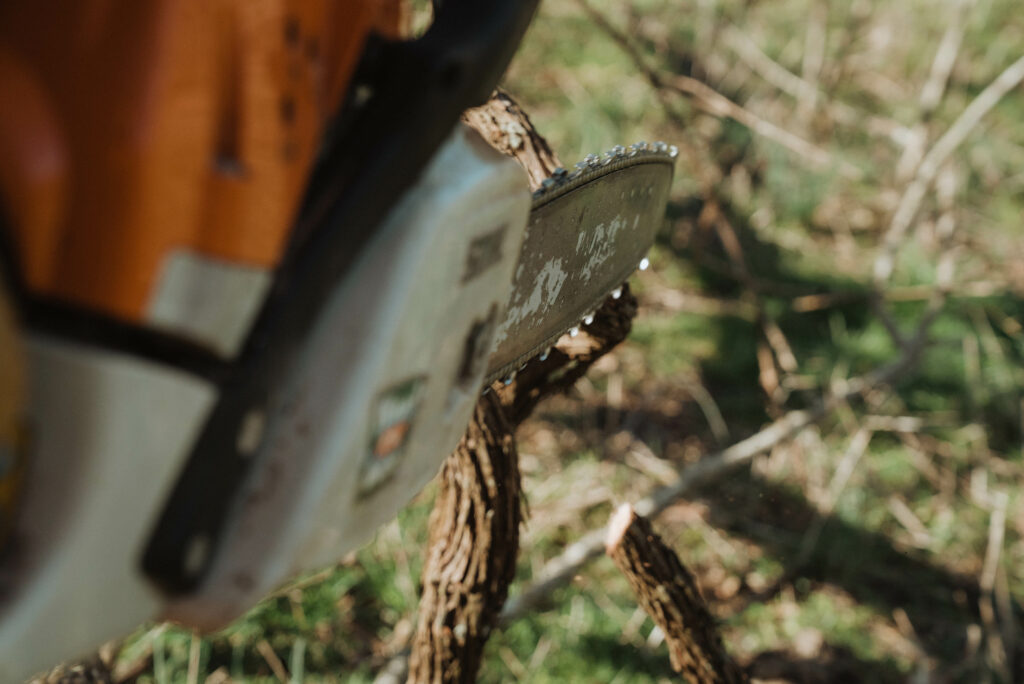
(504, 124)
(474, 527)
(474, 537)
(669, 594)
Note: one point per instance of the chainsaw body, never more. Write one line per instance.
(254, 276)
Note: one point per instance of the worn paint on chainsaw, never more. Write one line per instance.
(585, 238)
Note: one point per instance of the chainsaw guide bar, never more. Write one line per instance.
(588, 230)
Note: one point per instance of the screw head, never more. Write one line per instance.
(196, 554)
(250, 433)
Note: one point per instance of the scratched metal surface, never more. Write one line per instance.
(585, 237)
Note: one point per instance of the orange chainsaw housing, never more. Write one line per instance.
(129, 130)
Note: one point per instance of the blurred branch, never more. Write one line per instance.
(676, 301)
(983, 289)
(910, 203)
(708, 406)
(564, 567)
(858, 445)
(814, 57)
(709, 100)
(766, 67)
(945, 57)
(791, 84)
(935, 87)
(998, 653)
(273, 662)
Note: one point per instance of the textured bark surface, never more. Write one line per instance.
(474, 527)
(504, 124)
(669, 594)
(474, 537)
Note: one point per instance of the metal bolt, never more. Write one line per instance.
(574, 331)
(250, 433)
(616, 293)
(196, 554)
(588, 319)
(644, 264)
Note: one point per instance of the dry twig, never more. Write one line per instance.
(785, 80)
(934, 89)
(275, 664)
(998, 655)
(913, 196)
(712, 102)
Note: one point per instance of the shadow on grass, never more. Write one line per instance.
(941, 604)
(866, 565)
(837, 665)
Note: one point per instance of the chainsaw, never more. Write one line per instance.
(255, 277)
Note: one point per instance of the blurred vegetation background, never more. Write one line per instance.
(885, 542)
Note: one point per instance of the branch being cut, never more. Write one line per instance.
(471, 557)
(474, 527)
(669, 594)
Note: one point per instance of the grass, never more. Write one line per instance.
(890, 586)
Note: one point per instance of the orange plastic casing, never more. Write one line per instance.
(129, 129)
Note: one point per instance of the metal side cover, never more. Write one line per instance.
(108, 434)
(385, 384)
